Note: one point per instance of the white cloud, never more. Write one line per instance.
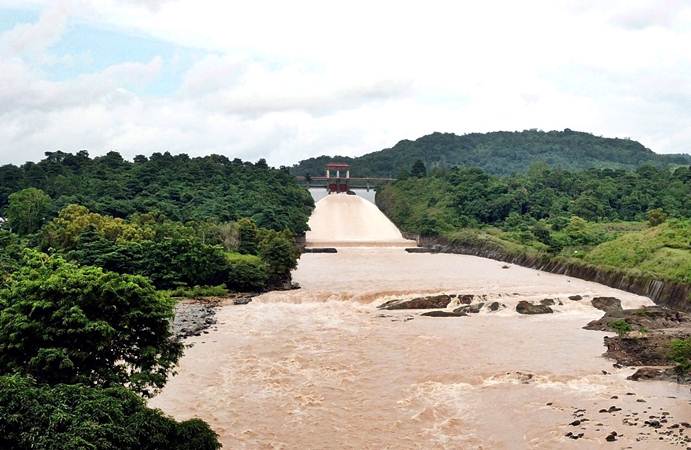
(288, 80)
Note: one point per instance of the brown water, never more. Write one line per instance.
(321, 367)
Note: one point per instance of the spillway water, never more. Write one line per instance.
(322, 367)
(342, 220)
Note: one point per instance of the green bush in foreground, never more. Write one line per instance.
(621, 326)
(76, 417)
(63, 323)
(681, 354)
(246, 272)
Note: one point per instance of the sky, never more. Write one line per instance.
(287, 80)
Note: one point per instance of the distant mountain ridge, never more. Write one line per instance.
(501, 153)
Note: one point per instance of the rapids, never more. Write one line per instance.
(322, 367)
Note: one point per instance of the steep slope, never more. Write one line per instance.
(502, 153)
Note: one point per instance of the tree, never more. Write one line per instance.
(247, 234)
(656, 217)
(280, 255)
(27, 210)
(63, 417)
(63, 323)
(418, 170)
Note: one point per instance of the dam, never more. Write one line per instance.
(341, 220)
(323, 367)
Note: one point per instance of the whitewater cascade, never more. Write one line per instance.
(341, 220)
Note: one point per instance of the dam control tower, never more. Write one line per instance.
(337, 177)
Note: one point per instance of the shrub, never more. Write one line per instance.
(280, 256)
(199, 291)
(63, 323)
(247, 237)
(621, 326)
(77, 417)
(680, 353)
(246, 272)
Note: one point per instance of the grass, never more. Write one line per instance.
(662, 252)
(198, 291)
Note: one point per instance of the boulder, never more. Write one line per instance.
(429, 302)
(443, 314)
(547, 302)
(646, 373)
(525, 307)
(469, 309)
(494, 306)
(609, 305)
(465, 299)
(575, 297)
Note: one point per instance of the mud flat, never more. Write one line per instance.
(324, 367)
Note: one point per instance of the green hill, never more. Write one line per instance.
(501, 153)
(179, 187)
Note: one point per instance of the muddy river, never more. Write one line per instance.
(322, 367)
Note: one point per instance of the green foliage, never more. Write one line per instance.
(248, 242)
(621, 326)
(62, 323)
(180, 188)
(10, 254)
(418, 170)
(27, 210)
(536, 212)
(502, 153)
(246, 272)
(170, 254)
(77, 417)
(280, 255)
(198, 291)
(656, 217)
(680, 353)
(663, 251)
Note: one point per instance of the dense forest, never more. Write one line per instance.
(630, 219)
(178, 187)
(500, 153)
(91, 253)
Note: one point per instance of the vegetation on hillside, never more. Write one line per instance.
(638, 221)
(500, 153)
(180, 188)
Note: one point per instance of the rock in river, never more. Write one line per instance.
(443, 314)
(429, 302)
(609, 305)
(525, 307)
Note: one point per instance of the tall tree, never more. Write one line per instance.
(418, 170)
(27, 210)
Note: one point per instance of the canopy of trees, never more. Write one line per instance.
(62, 323)
(500, 153)
(77, 417)
(179, 187)
(467, 197)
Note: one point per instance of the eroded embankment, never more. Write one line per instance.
(666, 293)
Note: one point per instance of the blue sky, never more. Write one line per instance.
(289, 80)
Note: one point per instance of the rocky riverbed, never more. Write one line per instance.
(643, 342)
(194, 317)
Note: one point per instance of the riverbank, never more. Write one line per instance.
(662, 292)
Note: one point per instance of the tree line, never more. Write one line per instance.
(89, 251)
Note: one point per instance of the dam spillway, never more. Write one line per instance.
(341, 220)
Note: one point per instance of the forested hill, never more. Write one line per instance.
(179, 187)
(501, 153)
